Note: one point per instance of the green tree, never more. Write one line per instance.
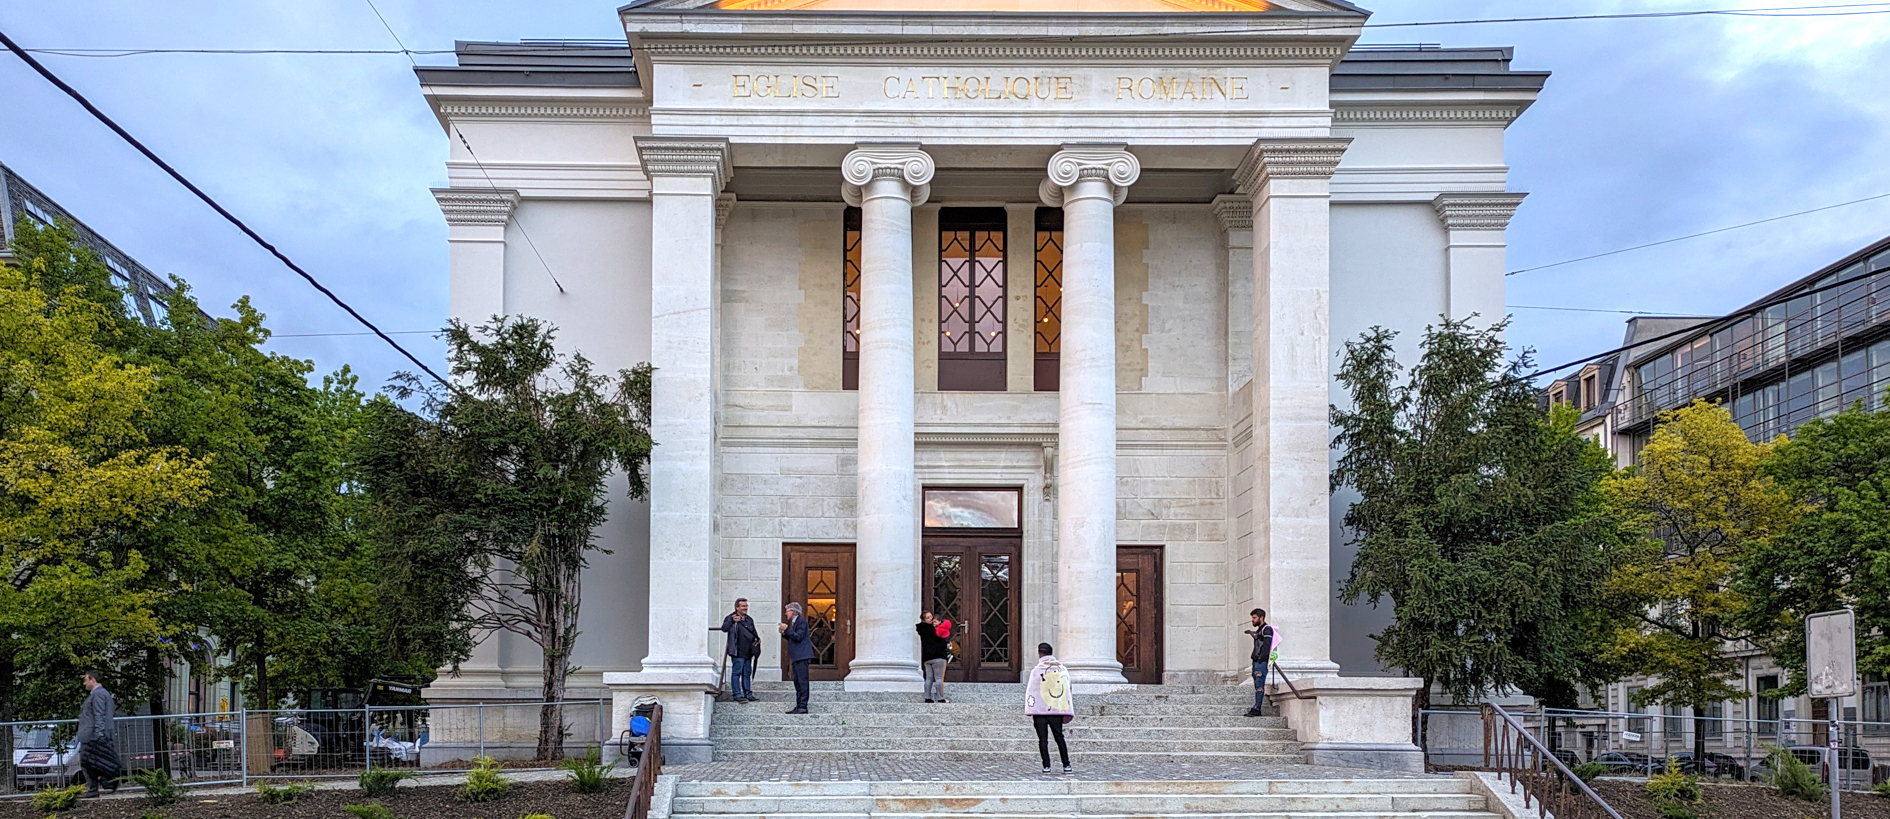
(1478, 515)
(495, 493)
(78, 480)
(1697, 502)
(1837, 554)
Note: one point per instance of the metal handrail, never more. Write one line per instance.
(1289, 686)
(649, 767)
(1540, 774)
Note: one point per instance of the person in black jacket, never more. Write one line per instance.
(800, 651)
(1263, 657)
(98, 747)
(743, 647)
(934, 651)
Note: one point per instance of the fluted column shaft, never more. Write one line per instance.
(885, 182)
(1088, 182)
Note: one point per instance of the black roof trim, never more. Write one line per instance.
(569, 63)
(1366, 68)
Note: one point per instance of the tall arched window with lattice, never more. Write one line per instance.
(971, 279)
(1049, 274)
(850, 302)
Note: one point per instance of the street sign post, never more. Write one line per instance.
(1831, 673)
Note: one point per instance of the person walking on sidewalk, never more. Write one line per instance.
(800, 652)
(1266, 649)
(98, 741)
(1048, 701)
(743, 647)
(935, 649)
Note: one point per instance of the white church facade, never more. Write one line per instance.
(1023, 312)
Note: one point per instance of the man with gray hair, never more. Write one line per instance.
(98, 747)
(800, 652)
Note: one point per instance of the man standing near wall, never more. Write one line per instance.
(1266, 644)
(800, 652)
(743, 647)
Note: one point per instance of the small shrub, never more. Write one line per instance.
(1674, 785)
(590, 774)
(1791, 777)
(272, 795)
(1669, 809)
(1881, 789)
(538, 816)
(1587, 771)
(154, 814)
(157, 785)
(368, 811)
(484, 783)
(50, 798)
(381, 784)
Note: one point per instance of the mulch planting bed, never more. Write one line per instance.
(411, 802)
(1740, 802)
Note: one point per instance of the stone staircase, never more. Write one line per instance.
(1431, 797)
(985, 722)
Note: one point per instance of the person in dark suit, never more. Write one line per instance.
(98, 748)
(800, 652)
(743, 647)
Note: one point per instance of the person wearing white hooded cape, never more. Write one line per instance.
(1049, 702)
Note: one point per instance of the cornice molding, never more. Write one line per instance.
(1387, 115)
(670, 156)
(1477, 211)
(1289, 159)
(1055, 51)
(1235, 211)
(903, 161)
(559, 110)
(472, 206)
(1113, 164)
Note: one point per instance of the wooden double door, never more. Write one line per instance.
(973, 582)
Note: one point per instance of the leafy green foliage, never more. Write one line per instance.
(381, 784)
(158, 786)
(509, 471)
(1837, 554)
(51, 798)
(1881, 789)
(538, 816)
(1588, 771)
(1792, 778)
(484, 783)
(154, 814)
(588, 774)
(1699, 502)
(1675, 785)
(1477, 515)
(272, 795)
(369, 811)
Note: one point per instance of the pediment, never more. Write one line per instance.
(1017, 6)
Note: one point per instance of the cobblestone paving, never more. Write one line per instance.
(879, 769)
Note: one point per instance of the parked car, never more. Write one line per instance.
(1628, 763)
(1716, 764)
(1855, 763)
(38, 761)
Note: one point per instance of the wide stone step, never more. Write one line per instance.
(952, 714)
(1021, 741)
(1145, 710)
(975, 731)
(1072, 805)
(1018, 688)
(961, 694)
(1026, 761)
(878, 814)
(1406, 785)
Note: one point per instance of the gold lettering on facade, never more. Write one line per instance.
(1181, 88)
(981, 87)
(785, 86)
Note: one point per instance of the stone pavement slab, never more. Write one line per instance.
(787, 768)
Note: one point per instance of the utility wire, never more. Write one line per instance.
(1602, 310)
(1697, 235)
(469, 152)
(332, 335)
(225, 213)
(1821, 10)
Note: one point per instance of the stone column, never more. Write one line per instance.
(1088, 182)
(475, 241)
(885, 181)
(1235, 213)
(1474, 252)
(1290, 181)
(686, 175)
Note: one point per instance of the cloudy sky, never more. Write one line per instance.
(1649, 129)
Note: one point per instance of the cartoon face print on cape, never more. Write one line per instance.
(1056, 689)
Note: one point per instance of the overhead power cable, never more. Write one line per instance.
(224, 212)
(469, 152)
(1600, 310)
(1806, 11)
(1697, 235)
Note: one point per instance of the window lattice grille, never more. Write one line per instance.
(971, 291)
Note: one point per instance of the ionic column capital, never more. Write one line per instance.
(1289, 159)
(475, 206)
(1477, 211)
(1113, 164)
(672, 156)
(904, 161)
